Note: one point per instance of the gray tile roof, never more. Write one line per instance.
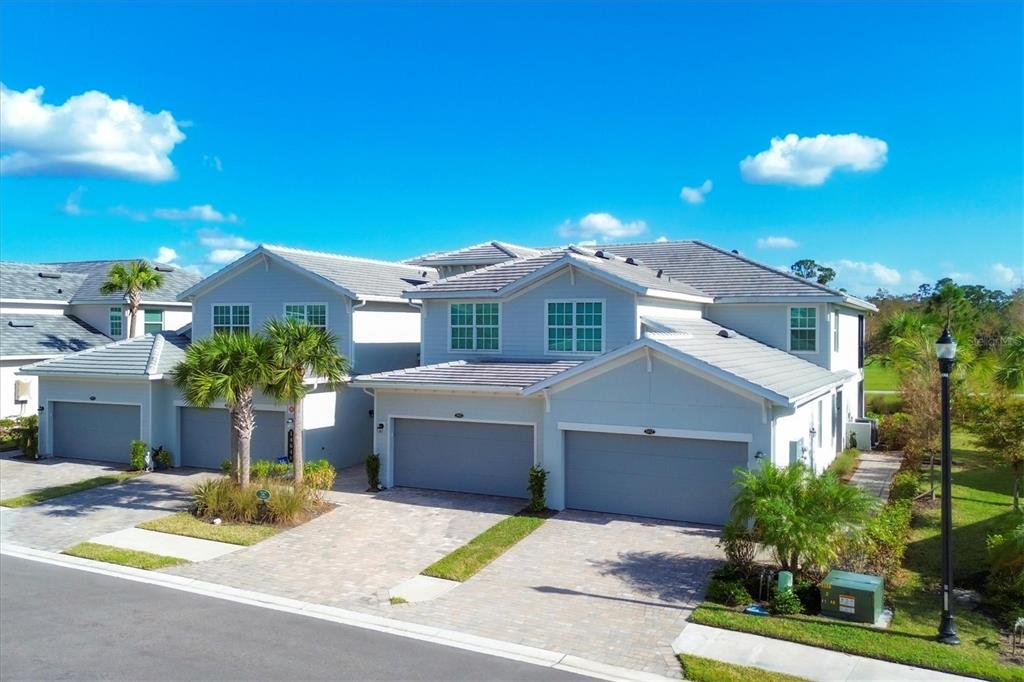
(140, 358)
(781, 373)
(362, 276)
(493, 374)
(717, 271)
(80, 281)
(482, 254)
(42, 335)
(495, 278)
(25, 281)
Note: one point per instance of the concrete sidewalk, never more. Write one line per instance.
(812, 663)
(875, 472)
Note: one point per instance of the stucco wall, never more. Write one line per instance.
(848, 354)
(666, 397)
(523, 326)
(338, 426)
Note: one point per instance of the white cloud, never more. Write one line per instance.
(73, 204)
(213, 162)
(810, 161)
(221, 256)
(864, 277)
(587, 242)
(1004, 274)
(776, 243)
(90, 134)
(695, 195)
(917, 277)
(662, 238)
(603, 226)
(166, 254)
(215, 239)
(129, 213)
(204, 213)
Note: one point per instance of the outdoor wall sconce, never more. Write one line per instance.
(458, 415)
(92, 397)
(759, 455)
(380, 428)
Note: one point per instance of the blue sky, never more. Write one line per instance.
(388, 130)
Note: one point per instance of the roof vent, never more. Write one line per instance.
(601, 254)
(21, 323)
(164, 268)
(736, 251)
(659, 272)
(60, 291)
(727, 333)
(630, 261)
(50, 275)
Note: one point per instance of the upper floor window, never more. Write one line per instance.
(575, 326)
(313, 314)
(835, 332)
(153, 321)
(803, 330)
(116, 323)
(474, 326)
(233, 319)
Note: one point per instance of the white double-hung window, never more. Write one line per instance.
(575, 326)
(116, 323)
(313, 314)
(474, 326)
(232, 319)
(803, 329)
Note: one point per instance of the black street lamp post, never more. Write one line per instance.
(945, 350)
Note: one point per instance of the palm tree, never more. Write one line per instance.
(1010, 372)
(300, 350)
(228, 367)
(132, 280)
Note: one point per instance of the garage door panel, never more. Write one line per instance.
(487, 459)
(670, 478)
(95, 431)
(206, 436)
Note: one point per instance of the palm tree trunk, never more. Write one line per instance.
(245, 423)
(236, 470)
(298, 457)
(134, 300)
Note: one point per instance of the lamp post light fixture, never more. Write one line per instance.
(945, 351)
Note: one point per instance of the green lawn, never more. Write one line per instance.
(700, 669)
(981, 505)
(124, 557)
(42, 494)
(880, 378)
(465, 561)
(184, 523)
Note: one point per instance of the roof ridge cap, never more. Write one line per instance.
(154, 353)
(341, 256)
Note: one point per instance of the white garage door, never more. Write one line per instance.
(681, 479)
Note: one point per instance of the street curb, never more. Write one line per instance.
(452, 638)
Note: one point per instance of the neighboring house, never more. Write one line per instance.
(639, 376)
(96, 401)
(49, 310)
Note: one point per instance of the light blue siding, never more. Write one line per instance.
(769, 324)
(266, 287)
(523, 320)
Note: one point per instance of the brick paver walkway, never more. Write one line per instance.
(875, 472)
(19, 476)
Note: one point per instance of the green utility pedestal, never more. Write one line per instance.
(852, 596)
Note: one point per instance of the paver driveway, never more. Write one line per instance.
(614, 589)
(56, 524)
(352, 555)
(19, 476)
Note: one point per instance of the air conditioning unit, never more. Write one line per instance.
(22, 390)
(860, 431)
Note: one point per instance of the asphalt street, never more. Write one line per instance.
(62, 623)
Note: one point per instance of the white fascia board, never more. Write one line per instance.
(36, 301)
(107, 301)
(476, 293)
(796, 299)
(229, 269)
(677, 296)
(435, 387)
(383, 299)
(86, 375)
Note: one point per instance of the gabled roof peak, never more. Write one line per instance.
(339, 256)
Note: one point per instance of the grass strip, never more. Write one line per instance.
(43, 494)
(183, 523)
(466, 561)
(845, 463)
(125, 557)
(698, 669)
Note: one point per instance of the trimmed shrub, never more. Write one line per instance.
(784, 603)
(538, 481)
(162, 458)
(739, 544)
(226, 466)
(845, 462)
(223, 498)
(319, 474)
(894, 431)
(728, 592)
(373, 471)
(809, 595)
(879, 548)
(26, 434)
(264, 468)
(904, 485)
(138, 455)
(1004, 591)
